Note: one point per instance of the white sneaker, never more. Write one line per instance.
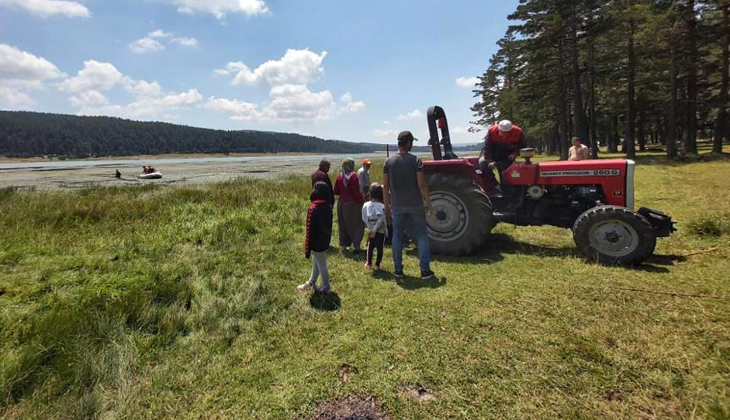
(304, 286)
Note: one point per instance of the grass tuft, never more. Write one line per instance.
(715, 225)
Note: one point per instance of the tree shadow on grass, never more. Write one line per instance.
(661, 158)
(327, 302)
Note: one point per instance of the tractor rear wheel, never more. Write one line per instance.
(614, 235)
(462, 215)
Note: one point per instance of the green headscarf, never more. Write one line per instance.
(348, 167)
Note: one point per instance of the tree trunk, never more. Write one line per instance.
(689, 144)
(562, 104)
(553, 142)
(631, 123)
(641, 129)
(592, 100)
(671, 133)
(722, 124)
(686, 109)
(581, 126)
(614, 138)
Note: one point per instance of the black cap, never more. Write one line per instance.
(405, 137)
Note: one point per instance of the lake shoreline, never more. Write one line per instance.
(70, 175)
(36, 159)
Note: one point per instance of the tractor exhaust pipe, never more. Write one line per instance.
(436, 120)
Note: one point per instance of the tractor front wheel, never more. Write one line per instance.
(614, 235)
(462, 215)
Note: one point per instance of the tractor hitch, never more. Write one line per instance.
(661, 222)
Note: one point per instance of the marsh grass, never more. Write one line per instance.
(180, 303)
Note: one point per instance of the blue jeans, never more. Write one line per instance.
(413, 221)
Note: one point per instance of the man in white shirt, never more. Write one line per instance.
(363, 177)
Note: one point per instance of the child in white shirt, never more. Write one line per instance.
(373, 214)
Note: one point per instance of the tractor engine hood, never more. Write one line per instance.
(614, 176)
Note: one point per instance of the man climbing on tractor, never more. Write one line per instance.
(502, 145)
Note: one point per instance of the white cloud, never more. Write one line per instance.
(150, 101)
(291, 99)
(346, 98)
(156, 40)
(415, 114)
(386, 122)
(146, 45)
(94, 76)
(20, 72)
(350, 105)
(392, 134)
(288, 104)
(186, 42)
(219, 8)
(89, 98)
(47, 8)
(459, 130)
(141, 88)
(295, 67)
(148, 107)
(15, 99)
(296, 103)
(159, 33)
(241, 111)
(466, 82)
(20, 68)
(356, 106)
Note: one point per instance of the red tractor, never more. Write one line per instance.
(594, 198)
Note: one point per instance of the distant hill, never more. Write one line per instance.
(28, 134)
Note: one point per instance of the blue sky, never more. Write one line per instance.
(356, 71)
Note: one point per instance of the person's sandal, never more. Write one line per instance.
(304, 287)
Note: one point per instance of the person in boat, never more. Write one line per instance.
(145, 170)
(152, 170)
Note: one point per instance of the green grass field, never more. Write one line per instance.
(180, 303)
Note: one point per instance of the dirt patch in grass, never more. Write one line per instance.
(351, 408)
(613, 395)
(419, 394)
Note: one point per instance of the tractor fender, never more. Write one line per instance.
(462, 167)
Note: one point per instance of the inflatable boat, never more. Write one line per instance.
(151, 175)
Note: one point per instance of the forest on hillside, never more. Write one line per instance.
(26, 134)
(620, 73)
